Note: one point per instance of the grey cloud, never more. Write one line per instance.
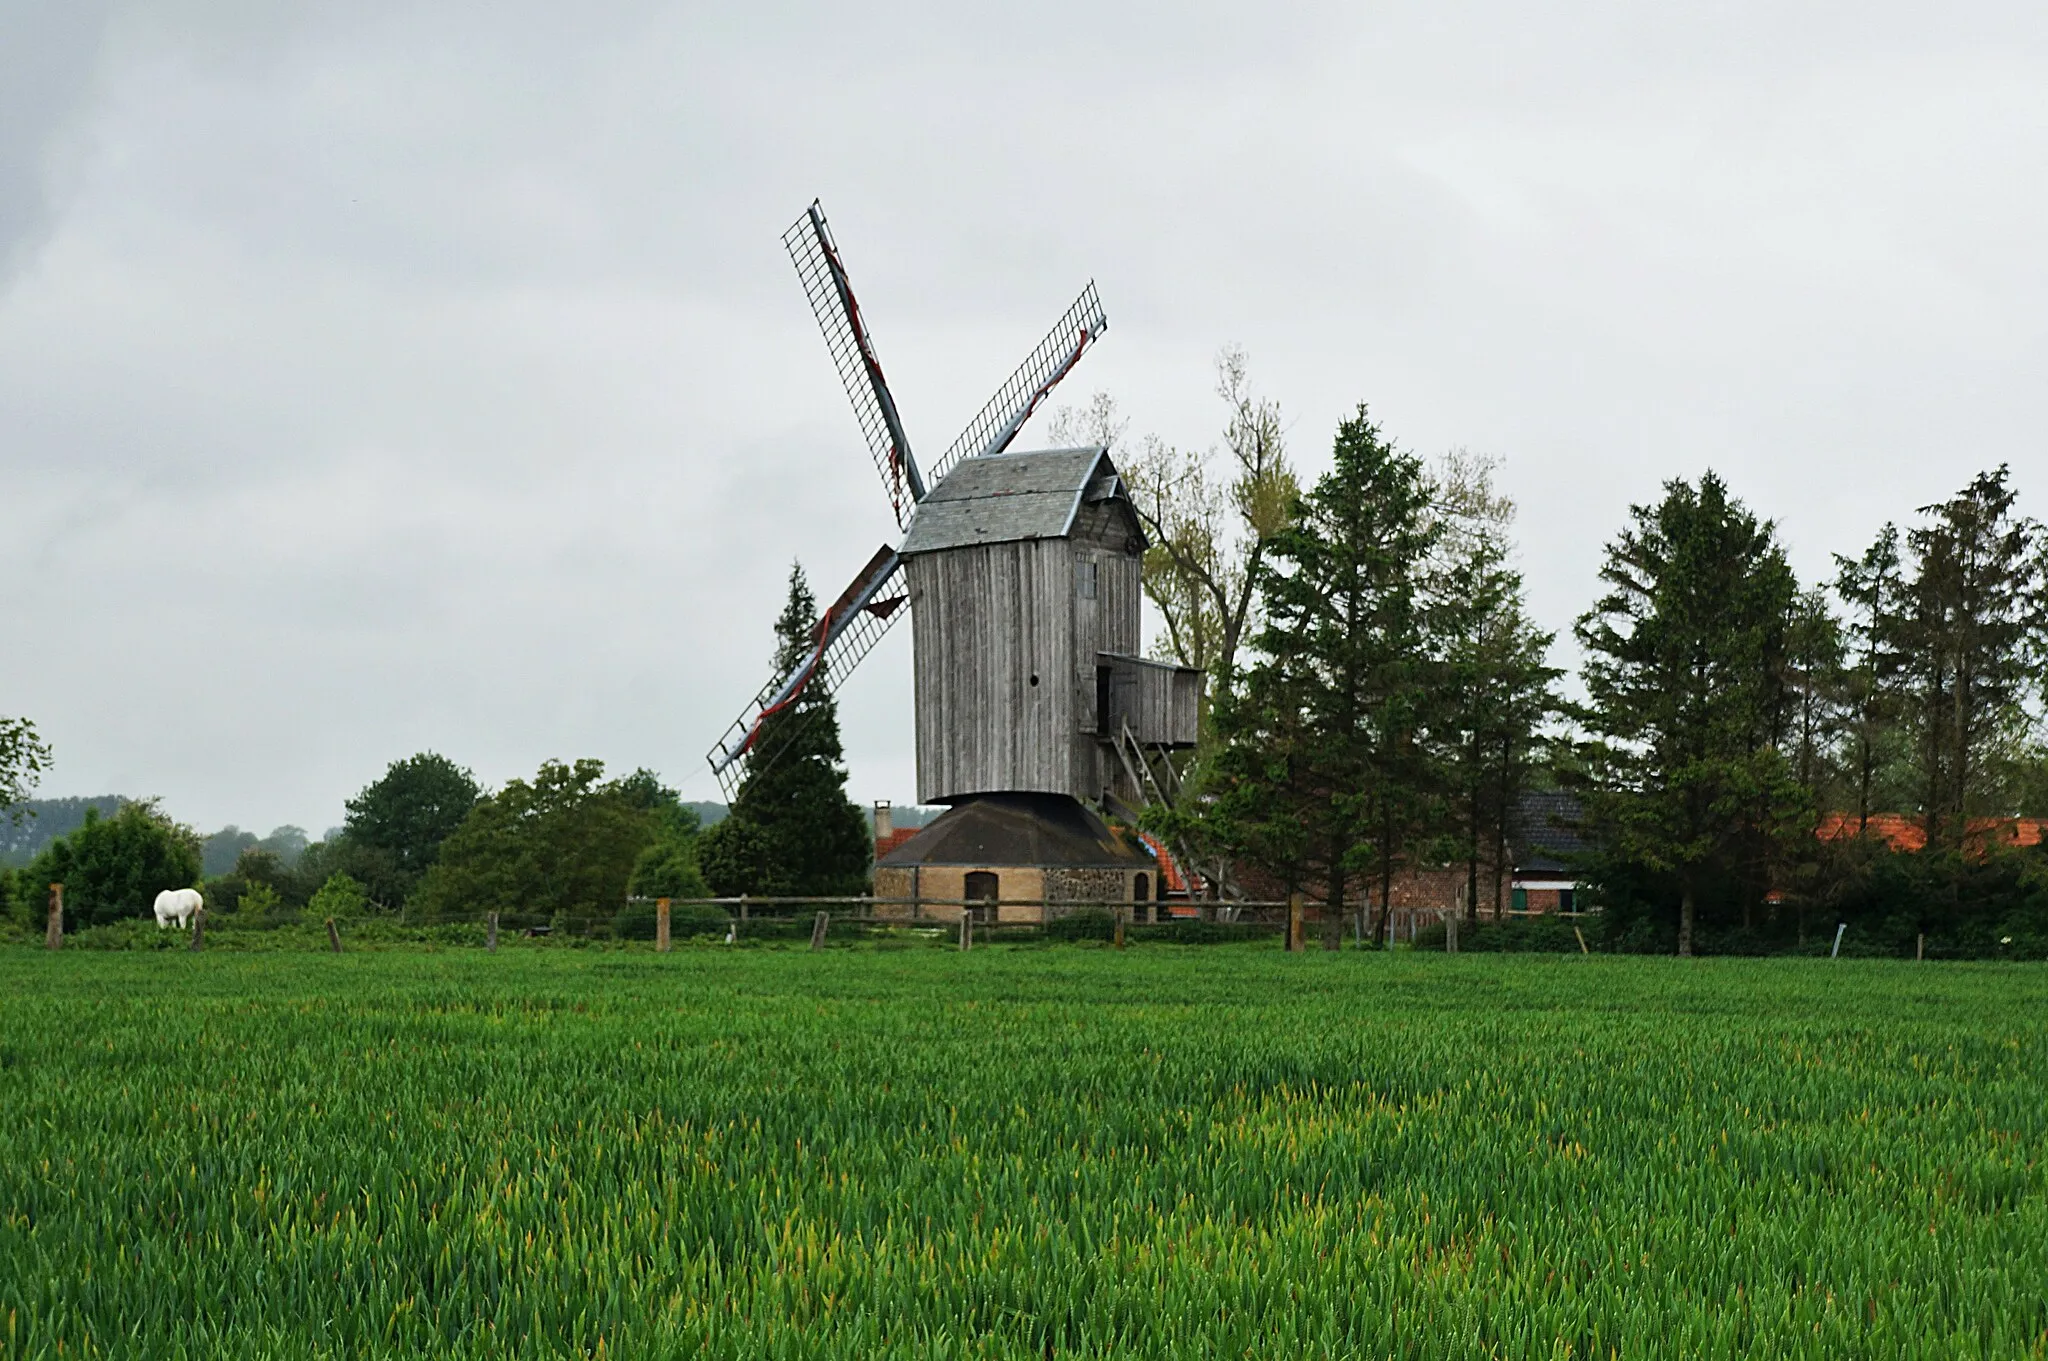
(384, 375)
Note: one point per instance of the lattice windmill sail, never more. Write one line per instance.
(1039, 710)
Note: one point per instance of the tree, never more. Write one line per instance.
(1873, 587)
(562, 844)
(407, 814)
(1684, 675)
(1495, 690)
(1965, 639)
(24, 756)
(114, 867)
(254, 869)
(1210, 535)
(1321, 773)
(792, 831)
(341, 898)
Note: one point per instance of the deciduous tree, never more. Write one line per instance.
(114, 867)
(407, 814)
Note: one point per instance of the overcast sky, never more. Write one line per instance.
(378, 377)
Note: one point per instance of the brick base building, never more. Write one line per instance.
(1014, 858)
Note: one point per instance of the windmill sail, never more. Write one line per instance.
(849, 629)
(991, 431)
(816, 257)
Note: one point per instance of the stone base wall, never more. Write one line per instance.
(1023, 889)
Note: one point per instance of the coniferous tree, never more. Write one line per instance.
(1967, 635)
(1873, 587)
(1685, 678)
(792, 831)
(1322, 774)
(1494, 688)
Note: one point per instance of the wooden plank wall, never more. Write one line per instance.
(986, 620)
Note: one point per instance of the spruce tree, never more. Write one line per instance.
(1322, 775)
(792, 832)
(1968, 638)
(1686, 699)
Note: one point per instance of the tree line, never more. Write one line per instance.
(1755, 758)
(1753, 755)
(426, 843)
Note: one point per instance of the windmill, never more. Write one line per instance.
(1020, 571)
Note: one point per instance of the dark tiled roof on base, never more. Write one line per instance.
(1054, 830)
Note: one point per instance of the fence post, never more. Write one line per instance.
(199, 929)
(333, 936)
(1122, 910)
(1451, 933)
(1920, 946)
(1294, 922)
(818, 930)
(661, 925)
(1582, 940)
(491, 933)
(966, 927)
(1840, 927)
(53, 935)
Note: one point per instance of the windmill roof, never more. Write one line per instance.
(1018, 829)
(1001, 498)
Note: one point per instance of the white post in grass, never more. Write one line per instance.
(1840, 927)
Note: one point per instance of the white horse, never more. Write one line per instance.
(177, 905)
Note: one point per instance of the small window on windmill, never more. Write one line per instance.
(1087, 579)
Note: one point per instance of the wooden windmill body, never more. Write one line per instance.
(1035, 715)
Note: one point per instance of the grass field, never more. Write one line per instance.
(1019, 1152)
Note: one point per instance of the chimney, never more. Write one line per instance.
(885, 825)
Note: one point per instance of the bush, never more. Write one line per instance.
(341, 897)
(1089, 924)
(1543, 934)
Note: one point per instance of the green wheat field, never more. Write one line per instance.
(1019, 1152)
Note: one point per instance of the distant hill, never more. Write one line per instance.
(22, 841)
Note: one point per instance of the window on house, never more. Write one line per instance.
(1085, 576)
(1565, 898)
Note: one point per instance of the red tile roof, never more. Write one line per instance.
(886, 844)
(1904, 833)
